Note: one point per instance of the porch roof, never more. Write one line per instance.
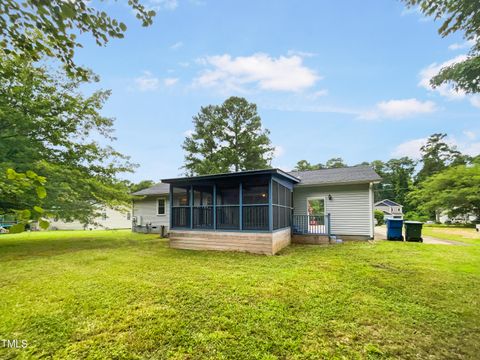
(223, 176)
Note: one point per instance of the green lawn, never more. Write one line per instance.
(114, 294)
(462, 234)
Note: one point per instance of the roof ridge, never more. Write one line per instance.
(337, 168)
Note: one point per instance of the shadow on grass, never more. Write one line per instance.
(13, 249)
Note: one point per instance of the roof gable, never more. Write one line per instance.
(387, 202)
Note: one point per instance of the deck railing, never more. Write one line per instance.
(311, 224)
(203, 217)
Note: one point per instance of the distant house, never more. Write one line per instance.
(444, 218)
(110, 219)
(259, 211)
(391, 209)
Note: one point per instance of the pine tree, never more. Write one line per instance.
(227, 137)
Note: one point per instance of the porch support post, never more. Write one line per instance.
(328, 222)
(214, 206)
(240, 205)
(170, 203)
(191, 206)
(270, 206)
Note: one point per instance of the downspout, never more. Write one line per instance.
(372, 225)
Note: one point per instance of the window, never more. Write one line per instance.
(161, 207)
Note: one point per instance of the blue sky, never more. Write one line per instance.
(347, 79)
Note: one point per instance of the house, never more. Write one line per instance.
(151, 209)
(260, 211)
(110, 219)
(443, 218)
(391, 209)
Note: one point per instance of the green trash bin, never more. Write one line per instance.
(413, 231)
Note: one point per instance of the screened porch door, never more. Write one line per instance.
(316, 215)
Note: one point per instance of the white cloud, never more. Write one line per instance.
(159, 5)
(416, 10)
(301, 53)
(319, 93)
(459, 46)
(170, 81)
(475, 101)
(260, 71)
(399, 109)
(444, 90)
(470, 134)
(176, 46)
(147, 82)
(278, 151)
(410, 148)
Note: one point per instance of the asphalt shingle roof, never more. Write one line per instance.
(156, 189)
(346, 175)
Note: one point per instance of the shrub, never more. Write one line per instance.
(379, 216)
(416, 216)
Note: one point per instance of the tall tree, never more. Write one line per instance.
(335, 163)
(455, 190)
(437, 154)
(48, 128)
(459, 15)
(304, 165)
(397, 180)
(227, 137)
(37, 29)
(144, 184)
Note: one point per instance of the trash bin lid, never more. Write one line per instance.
(413, 222)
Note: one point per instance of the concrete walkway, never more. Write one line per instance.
(381, 234)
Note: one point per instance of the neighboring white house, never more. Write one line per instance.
(459, 219)
(391, 209)
(110, 219)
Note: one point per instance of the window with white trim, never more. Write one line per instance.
(161, 206)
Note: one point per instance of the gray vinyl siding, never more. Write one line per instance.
(145, 211)
(350, 208)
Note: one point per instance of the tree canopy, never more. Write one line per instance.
(463, 16)
(227, 137)
(437, 155)
(39, 29)
(455, 190)
(48, 128)
(304, 165)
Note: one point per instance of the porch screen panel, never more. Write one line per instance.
(255, 205)
(228, 206)
(282, 206)
(180, 207)
(203, 207)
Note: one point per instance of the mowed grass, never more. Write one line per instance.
(115, 295)
(462, 234)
